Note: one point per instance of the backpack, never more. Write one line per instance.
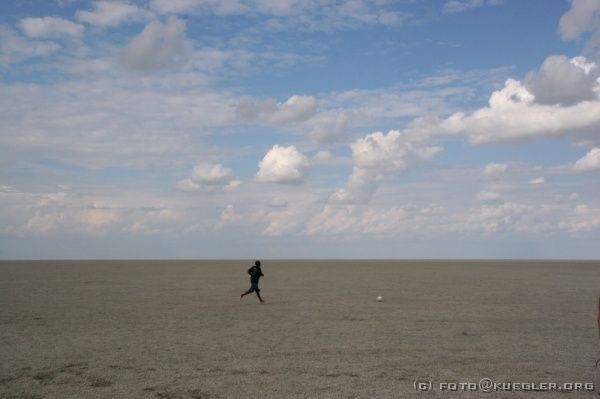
(252, 270)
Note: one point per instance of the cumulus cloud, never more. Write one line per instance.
(494, 218)
(512, 115)
(154, 221)
(332, 221)
(537, 180)
(332, 129)
(231, 216)
(283, 165)
(43, 222)
(590, 162)
(159, 46)
(208, 177)
(351, 220)
(585, 218)
(285, 221)
(50, 27)
(322, 156)
(294, 109)
(486, 196)
(359, 188)
(377, 154)
(97, 218)
(278, 202)
(494, 169)
(278, 221)
(583, 16)
(109, 13)
(564, 81)
(559, 99)
(390, 152)
(63, 211)
(498, 218)
(15, 48)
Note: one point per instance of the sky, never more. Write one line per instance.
(262, 129)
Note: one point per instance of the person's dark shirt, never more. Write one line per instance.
(255, 274)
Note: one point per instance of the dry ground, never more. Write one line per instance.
(177, 329)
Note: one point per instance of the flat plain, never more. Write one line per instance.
(177, 329)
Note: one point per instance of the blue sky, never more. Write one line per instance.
(299, 129)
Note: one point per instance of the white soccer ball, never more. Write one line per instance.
(379, 298)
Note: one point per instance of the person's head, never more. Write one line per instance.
(257, 263)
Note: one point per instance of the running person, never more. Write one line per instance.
(255, 273)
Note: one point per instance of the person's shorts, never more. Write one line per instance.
(254, 287)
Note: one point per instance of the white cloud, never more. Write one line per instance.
(332, 220)
(359, 188)
(537, 180)
(283, 165)
(109, 13)
(392, 103)
(433, 220)
(351, 220)
(108, 121)
(50, 27)
(486, 196)
(584, 218)
(512, 115)
(322, 156)
(62, 212)
(42, 223)
(330, 128)
(211, 174)
(233, 185)
(494, 169)
(286, 221)
(294, 109)
(230, 216)
(15, 48)
(187, 184)
(97, 218)
(154, 221)
(463, 5)
(494, 218)
(583, 16)
(283, 14)
(377, 154)
(208, 177)
(564, 81)
(590, 162)
(279, 202)
(390, 152)
(218, 7)
(159, 46)
(174, 6)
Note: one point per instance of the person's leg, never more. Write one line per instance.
(258, 295)
(246, 293)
